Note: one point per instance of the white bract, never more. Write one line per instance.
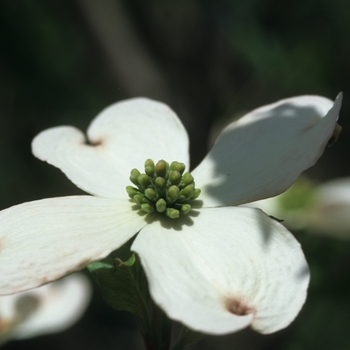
(48, 309)
(218, 269)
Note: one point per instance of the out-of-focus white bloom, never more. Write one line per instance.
(321, 209)
(51, 308)
(290, 207)
(330, 214)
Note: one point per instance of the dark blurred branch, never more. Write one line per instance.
(129, 60)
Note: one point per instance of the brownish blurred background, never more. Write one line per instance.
(61, 62)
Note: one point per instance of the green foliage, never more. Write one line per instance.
(324, 321)
(123, 286)
(300, 196)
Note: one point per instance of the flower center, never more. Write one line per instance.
(163, 188)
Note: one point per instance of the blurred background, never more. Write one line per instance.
(63, 61)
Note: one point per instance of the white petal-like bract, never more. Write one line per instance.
(44, 240)
(263, 153)
(230, 268)
(121, 137)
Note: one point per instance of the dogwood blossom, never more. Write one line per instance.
(217, 269)
(331, 213)
(47, 309)
(327, 209)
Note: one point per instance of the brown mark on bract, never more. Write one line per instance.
(44, 280)
(97, 143)
(239, 307)
(90, 143)
(335, 135)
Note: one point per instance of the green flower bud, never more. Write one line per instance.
(172, 213)
(149, 171)
(134, 174)
(186, 193)
(144, 181)
(174, 177)
(138, 199)
(161, 205)
(187, 179)
(185, 208)
(151, 194)
(147, 208)
(149, 167)
(149, 162)
(176, 166)
(132, 191)
(160, 183)
(196, 193)
(172, 194)
(161, 168)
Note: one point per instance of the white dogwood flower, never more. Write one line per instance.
(44, 310)
(330, 214)
(218, 267)
(325, 208)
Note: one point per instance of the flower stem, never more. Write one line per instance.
(160, 335)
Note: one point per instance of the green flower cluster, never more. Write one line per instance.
(163, 188)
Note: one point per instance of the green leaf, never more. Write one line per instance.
(130, 262)
(95, 266)
(187, 337)
(124, 286)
